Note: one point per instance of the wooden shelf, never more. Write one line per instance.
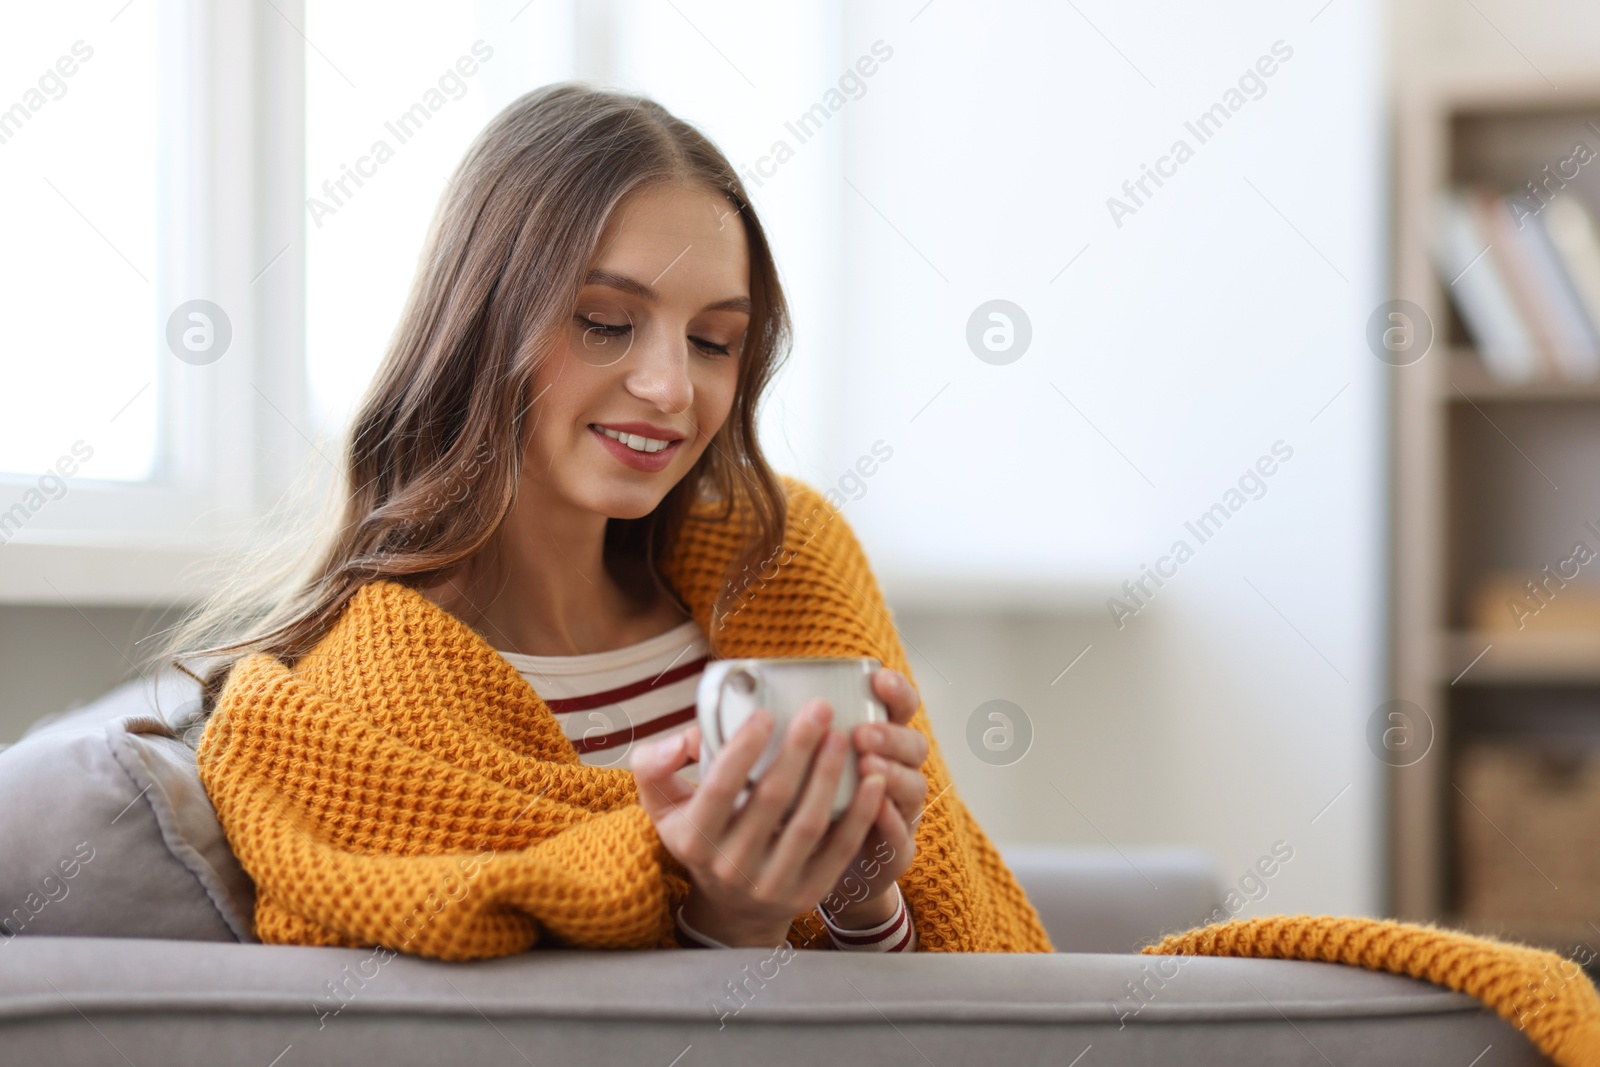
(1555, 658)
(1476, 464)
(1468, 379)
(1516, 88)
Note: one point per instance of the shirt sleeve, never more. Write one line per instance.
(689, 937)
(891, 935)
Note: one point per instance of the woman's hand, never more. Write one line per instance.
(751, 875)
(864, 895)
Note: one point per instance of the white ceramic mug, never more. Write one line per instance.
(732, 689)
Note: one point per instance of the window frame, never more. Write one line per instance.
(232, 186)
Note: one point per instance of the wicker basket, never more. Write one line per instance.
(1528, 833)
(1503, 603)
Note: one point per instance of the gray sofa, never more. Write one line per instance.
(143, 954)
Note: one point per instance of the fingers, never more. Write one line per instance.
(900, 744)
(907, 787)
(712, 807)
(813, 814)
(897, 752)
(899, 696)
(771, 797)
(896, 829)
(841, 844)
(655, 771)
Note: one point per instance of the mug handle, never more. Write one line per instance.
(747, 683)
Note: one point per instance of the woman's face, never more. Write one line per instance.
(651, 353)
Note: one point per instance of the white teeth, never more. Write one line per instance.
(634, 441)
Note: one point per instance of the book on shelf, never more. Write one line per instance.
(1514, 256)
(1479, 291)
(1525, 278)
(1571, 230)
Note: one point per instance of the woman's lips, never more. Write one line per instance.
(649, 462)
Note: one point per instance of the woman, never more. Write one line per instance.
(556, 503)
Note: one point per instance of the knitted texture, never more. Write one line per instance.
(403, 786)
(1544, 995)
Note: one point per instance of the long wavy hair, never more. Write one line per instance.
(432, 457)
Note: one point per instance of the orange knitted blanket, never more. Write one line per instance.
(1542, 994)
(404, 787)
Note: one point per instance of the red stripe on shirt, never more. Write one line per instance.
(560, 705)
(873, 939)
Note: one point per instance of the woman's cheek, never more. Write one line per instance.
(727, 385)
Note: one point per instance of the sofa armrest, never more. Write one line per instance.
(1105, 900)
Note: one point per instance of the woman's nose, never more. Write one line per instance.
(658, 371)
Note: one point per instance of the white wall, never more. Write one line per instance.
(1225, 314)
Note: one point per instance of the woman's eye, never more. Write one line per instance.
(721, 350)
(603, 328)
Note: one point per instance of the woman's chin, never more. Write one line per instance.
(625, 501)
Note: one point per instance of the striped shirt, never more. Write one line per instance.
(607, 701)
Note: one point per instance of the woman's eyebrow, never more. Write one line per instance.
(622, 282)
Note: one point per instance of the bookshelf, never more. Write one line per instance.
(1491, 477)
(1466, 378)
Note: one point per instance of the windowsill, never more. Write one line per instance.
(83, 569)
(116, 569)
(914, 590)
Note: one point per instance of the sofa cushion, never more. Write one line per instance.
(1115, 900)
(108, 831)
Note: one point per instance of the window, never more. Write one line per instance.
(377, 161)
(81, 260)
(216, 256)
(135, 290)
